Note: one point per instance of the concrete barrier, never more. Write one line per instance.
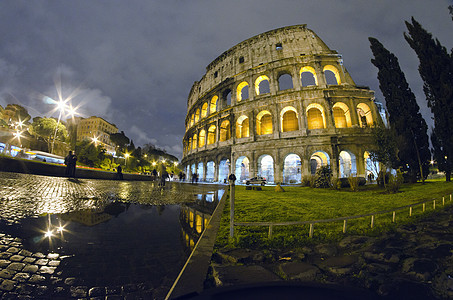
(8, 164)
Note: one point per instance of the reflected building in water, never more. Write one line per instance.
(195, 217)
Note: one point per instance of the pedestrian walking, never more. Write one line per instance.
(67, 162)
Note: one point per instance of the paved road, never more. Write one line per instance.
(27, 274)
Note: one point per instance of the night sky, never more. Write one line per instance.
(133, 62)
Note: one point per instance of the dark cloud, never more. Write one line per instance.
(134, 62)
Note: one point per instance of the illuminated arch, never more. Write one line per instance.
(347, 163)
(266, 167)
(197, 115)
(224, 169)
(341, 115)
(192, 119)
(335, 73)
(364, 114)
(242, 170)
(202, 138)
(211, 134)
(315, 116)
(371, 166)
(204, 110)
(289, 119)
(292, 169)
(264, 123)
(258, 82)
(225, 132)
(240, 91)
(318, 159)
(242, 127)
(309, 70)
(213, 106)
(194, 143)
(210, 171)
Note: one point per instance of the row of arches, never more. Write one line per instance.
(307, 75)
(289, 121)
(292, 171)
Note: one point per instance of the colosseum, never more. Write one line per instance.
(278, 105)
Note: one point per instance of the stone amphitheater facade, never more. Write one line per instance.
(278, 105)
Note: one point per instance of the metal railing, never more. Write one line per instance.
(312, 223)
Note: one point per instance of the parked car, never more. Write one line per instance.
(256, 180)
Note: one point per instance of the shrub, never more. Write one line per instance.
(353, 183)
(394, 182)
(335, 183)
(323, 177)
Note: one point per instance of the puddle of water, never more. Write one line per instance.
(115, 243)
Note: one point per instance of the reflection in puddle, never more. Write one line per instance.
(129, 233)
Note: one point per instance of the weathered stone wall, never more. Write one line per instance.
(291, 51)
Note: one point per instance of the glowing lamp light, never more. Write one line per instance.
(163, 161)
(126, 155)
(154, 163)
(176, 163)
(432, 162)
(48, 234)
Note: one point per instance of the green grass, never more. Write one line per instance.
(305, 204)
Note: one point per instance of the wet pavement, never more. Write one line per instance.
(32, 268)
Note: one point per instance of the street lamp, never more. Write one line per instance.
(126, 155)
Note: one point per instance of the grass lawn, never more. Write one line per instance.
(305, 204)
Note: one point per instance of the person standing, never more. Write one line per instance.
(72, 165)
(67, 162)
(119, 172)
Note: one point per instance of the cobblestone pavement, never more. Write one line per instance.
(28, 275)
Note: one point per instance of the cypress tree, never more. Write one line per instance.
(436, 70)
(404, 113)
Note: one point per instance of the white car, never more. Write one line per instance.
(256, 180)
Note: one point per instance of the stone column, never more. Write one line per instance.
(360, 164)
(205, 169)
(297, 83)
(320, 75)
(216, 170)
(353, 112)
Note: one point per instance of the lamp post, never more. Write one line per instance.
(126, 155)
(60, 106)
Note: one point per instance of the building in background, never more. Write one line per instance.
(94, 129)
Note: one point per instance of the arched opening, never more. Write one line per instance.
(194, 141)
(266, 167)
(317, 160)
(285, 82)
(264, 123)
(193, 170)
(364, 114)
(210, 171)
(211, 134)
(289, 119)
(200, 171)
(197, 115)
(227, 97)
(242, 91)
(341, 115)
(204, 110)
(242, 127)
(188, 171)
(225, 132)
(224, 170)
(213, 105)
(371, 166)
(308, 76)
(202, 138)
(192, 119)
(242, 170)
(332, 75)
(262, 85)
(292, 169)
(315, 116)
(348, 166)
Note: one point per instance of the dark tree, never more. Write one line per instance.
(404, 113)
(120, 140)
(436, 70)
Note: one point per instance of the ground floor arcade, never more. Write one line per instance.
(282, 165)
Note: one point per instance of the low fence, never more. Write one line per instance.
(345, 220)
